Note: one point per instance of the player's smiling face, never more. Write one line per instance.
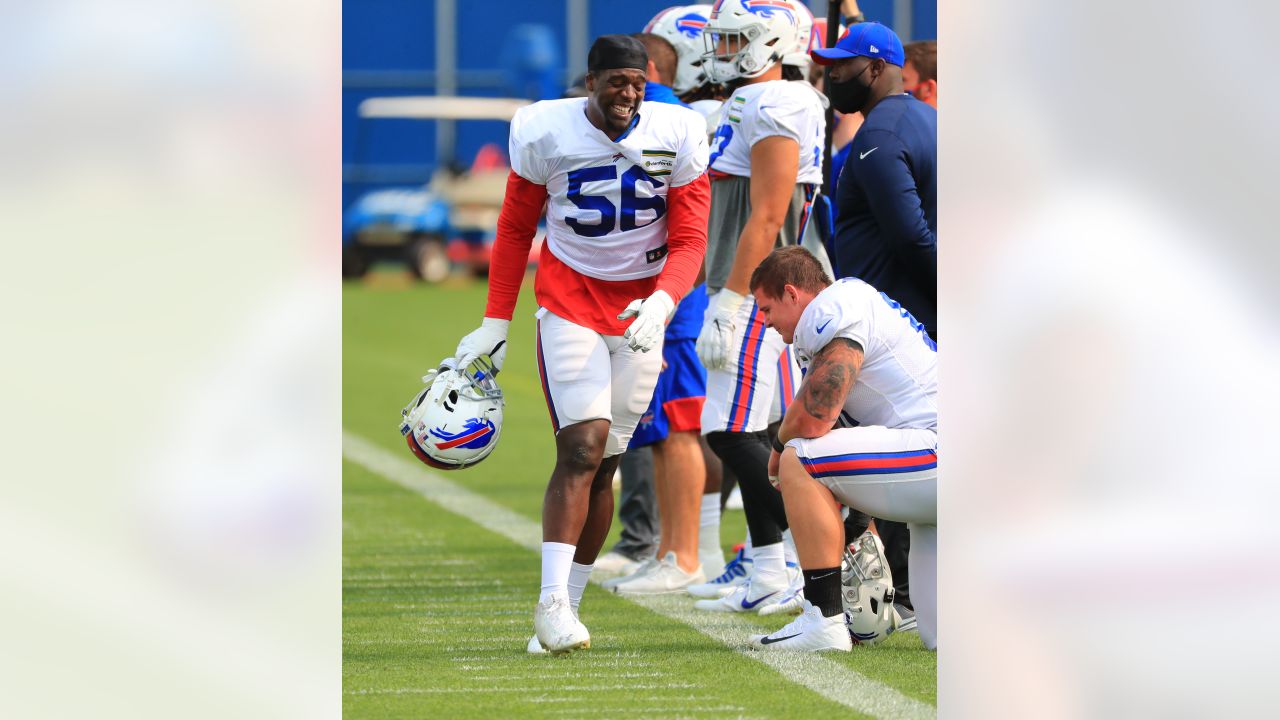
(615, 98)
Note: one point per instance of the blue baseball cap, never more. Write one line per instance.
(868, 39)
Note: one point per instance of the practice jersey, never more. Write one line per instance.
(760, 110)
(710, 110)
(898, 384)
(606, 199)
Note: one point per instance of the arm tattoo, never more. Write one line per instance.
(831, 376)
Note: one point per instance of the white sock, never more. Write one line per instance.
(710, 514)
(578, 576)
(748, 550)
(709, 530)
(556, 560)
(789, 548)
(770, 566)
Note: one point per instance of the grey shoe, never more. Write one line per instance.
(664, 577)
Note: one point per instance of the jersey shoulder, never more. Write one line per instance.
(786, 95)
(544, 120)
(840, 310)
(679, 118)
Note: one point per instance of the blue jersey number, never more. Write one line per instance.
(631, 203)
(724, 134)
(911, 319)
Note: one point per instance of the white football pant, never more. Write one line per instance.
(589, 376)
(891, 474)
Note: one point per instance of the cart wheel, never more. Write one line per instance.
(354, 262)
(429, 259)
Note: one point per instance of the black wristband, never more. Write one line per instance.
(855, 19)
(778, 447)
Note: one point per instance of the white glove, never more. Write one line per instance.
(717, 332)
(489, 339)
(651, 317)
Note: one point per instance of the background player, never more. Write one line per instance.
(626, 199)
(766, 161)
(670, 425)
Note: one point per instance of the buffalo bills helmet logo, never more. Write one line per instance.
(766, 8)
(691, 25)
(476, 434)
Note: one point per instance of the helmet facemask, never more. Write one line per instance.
(744, 38)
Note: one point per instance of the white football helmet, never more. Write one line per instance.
(682, 27)
(799, 56)
(755, 34)
(867, 591)
(456, 420)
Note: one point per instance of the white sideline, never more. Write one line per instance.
(826, 677)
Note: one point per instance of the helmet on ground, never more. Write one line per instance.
(744, 38)
(867, 591)
(682, 27)
(455, 421)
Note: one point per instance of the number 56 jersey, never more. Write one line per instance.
(606, 199)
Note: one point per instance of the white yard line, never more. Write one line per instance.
(822, 675)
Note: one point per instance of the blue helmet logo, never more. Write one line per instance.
(476, 434)
(691, 25)
(766, 8)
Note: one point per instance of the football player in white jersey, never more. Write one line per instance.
(871, 367)
(626, 199)
(766, 164)
(682, 26)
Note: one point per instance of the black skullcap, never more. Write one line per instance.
(610, 52)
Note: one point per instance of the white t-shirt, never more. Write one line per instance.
(761, 110)
(898, 384)
(606, 200)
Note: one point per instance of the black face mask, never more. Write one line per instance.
(849, 96)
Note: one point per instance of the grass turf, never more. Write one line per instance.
(437, 610)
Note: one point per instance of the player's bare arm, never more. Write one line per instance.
(775, 163)
(826, 385)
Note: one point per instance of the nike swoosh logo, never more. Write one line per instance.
(748, 605)
(862, 155)
(770, 641)
(819, 577)
(823, 326)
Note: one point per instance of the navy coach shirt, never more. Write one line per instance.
(887, 206)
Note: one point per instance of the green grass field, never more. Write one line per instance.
(437, 605)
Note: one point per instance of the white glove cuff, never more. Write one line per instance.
(496, 324)
(668, 304)
(728, 302)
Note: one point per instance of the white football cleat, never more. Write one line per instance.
(747, 597)
(736, 572)
(642, 569)
(792, 601)
(665, 577)
(906, 618)
(535, 647)
(810, 632)
(557, 628)
(612, 564)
